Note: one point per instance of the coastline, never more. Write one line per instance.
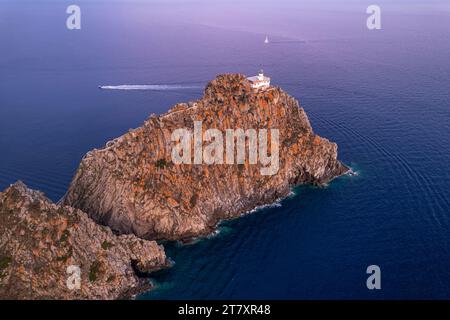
(215, 230)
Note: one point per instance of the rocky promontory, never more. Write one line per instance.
(133, 186)
(49, 251)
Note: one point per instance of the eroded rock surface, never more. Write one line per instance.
(133, 186)
(39, 240)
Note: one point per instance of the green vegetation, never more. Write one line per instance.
(4, 262)
(64, 236)
(106, 245)
(94, 271)
(161, 163)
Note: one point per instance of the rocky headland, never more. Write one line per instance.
(133, 186)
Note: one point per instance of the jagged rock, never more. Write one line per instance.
(39, 240)
(133, 186)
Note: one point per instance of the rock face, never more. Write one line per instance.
(133, 186)
(40, 240)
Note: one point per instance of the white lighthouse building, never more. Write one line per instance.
(260, 81)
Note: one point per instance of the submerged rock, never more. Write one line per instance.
(42, 245)
(133, 186)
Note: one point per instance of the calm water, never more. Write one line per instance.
(383, 96)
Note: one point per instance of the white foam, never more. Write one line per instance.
(149, 87)
(276, 204)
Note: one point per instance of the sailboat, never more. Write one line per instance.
(267, 40)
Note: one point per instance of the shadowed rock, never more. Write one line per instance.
(40, 240)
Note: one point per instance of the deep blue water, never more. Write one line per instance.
(383, 96)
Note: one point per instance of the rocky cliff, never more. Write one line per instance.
(42, 245)
(133, 186)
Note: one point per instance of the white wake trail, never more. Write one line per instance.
(155, 87)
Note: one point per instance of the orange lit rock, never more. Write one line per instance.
(107, 183)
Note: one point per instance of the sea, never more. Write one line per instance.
(383, 95)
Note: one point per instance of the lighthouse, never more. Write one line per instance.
(259, 82)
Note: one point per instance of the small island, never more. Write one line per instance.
(133, 186)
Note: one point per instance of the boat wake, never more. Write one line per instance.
(154, 87)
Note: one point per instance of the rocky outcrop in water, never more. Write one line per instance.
(133, 186)
(43, 244)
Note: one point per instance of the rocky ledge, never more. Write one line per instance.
(133, 186)
(45, 247)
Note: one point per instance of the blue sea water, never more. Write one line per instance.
(383, 96)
